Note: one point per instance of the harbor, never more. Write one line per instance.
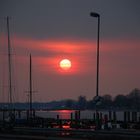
(71, 124)
(69, 70)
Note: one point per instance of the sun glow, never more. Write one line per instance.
(65, 64)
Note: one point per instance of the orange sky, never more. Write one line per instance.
(52, 30)
(118, 65)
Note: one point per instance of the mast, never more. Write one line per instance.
(9, 62)
(30, 91)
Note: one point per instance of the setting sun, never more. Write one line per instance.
(65, 64)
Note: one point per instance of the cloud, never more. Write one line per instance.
(118, 64)
(48, 53)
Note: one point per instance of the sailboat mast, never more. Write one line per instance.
(9, 62)
(30, 77)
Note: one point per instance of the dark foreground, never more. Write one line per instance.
(68, 134)
(36, 128)
(26, 137)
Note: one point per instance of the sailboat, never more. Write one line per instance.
(8, 112)
(10, 106)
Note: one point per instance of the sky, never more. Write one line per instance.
(52, 30)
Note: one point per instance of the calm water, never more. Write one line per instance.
(66, 114)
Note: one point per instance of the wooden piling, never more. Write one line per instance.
(79, 115)
(57, 117)
(110, 116)
(114, 116)
(34, 113)
(134, 116)
(101, 116)
(94, 116)
(128, 116)
(3, 115)
(19, 113)
(27, 114)
(125, 116)
(105, 118)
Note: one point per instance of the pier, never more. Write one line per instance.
(74, 127)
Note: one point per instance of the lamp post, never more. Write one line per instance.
(97, 98)
(96, 15)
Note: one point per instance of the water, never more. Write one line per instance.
(66, 114)
(63, 114)
(85, 114)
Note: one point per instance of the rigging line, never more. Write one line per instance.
(3, 78)
(3, 62)
(14, 68)
(15, 78)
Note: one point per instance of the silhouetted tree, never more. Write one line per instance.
(120, 101)
(129, 101)
(90, 104)
(107, 101)
(134, 99)
(82, 102)
(70, 103)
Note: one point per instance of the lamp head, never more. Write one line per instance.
(93, 14)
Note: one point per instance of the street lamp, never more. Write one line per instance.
(97, 98)
(96, 15)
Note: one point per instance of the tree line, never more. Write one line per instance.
(129, 101)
